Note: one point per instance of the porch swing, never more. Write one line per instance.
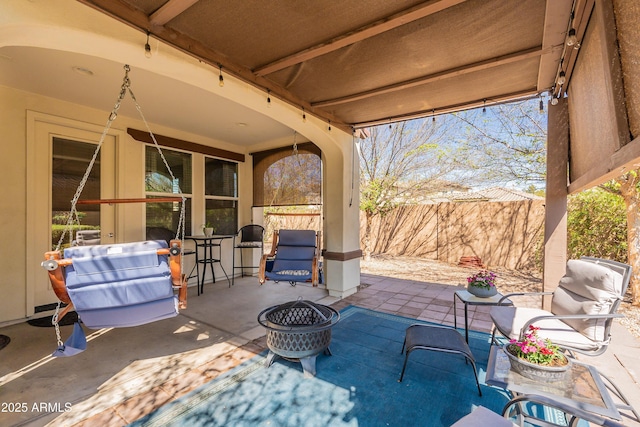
(295, 254)
(116, 285)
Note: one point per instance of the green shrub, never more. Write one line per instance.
(597, 225)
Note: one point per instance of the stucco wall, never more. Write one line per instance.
(506, 234)
(24, 223)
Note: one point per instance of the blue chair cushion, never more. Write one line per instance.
(120, 285)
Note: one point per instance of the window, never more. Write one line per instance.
(158, 183)
(70, 161)
(221, 195)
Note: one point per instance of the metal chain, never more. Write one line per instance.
(54, 322)
(124, 88)
(85, 178)
(180, 230)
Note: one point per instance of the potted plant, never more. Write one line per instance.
(482, 284)
(208, 229)
(537, 358)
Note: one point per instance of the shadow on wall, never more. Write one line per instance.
(507, 234)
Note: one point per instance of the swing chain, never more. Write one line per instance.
(54, 322)
(114, 113)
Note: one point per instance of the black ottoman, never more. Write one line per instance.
(436, 338)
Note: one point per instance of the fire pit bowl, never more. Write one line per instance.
(298, 330)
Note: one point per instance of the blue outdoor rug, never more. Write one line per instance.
(356, 386)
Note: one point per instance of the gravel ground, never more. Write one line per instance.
(426, 270)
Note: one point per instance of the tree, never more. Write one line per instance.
(401, 163)
(596, 225)
(627, 186)
(505, 144)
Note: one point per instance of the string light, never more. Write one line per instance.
(433, 115)
(541, 104)
(269, 98)
(147, 47)
(220, 78)
(304, 116)
(484, 105)
(562, 78)
(572, 39)
(329, 128)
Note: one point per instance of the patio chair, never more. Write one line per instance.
(251, 237)
(86, 238)
(293, 258)
(583, 307)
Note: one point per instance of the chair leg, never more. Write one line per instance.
(404, 366)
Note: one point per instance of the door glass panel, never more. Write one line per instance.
(70, 161)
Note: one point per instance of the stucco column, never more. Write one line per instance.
(555, 225)
(341, 219)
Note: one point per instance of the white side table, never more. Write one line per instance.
(470, 299)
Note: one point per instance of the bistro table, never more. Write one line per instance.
(468, 299)
(205, 256)
(582, 394)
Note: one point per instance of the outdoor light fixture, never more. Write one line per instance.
(562, 78)
(147, 47)
(572, 39)
(220, 78)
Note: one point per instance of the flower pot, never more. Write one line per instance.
(208, 231)
(482, 292)
(537, 372)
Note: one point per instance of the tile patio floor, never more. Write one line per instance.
(132, 372)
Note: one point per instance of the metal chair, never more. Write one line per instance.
(250, 237)
(583, 307)
(87, 238)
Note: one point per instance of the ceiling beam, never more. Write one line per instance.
(501, 99)
(556, 17)
(137, 19)
(447, 74)
(170, 10)
(370, 30)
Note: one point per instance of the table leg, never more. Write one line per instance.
(466, 322)
(455, 312)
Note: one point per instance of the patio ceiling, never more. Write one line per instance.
(362, 62)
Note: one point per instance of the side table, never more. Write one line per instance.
(581, 395)
(470, 299)
(204, 256)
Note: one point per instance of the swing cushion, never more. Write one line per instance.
(120, 285)
(295, 253)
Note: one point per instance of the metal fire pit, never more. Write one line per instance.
(298, 330)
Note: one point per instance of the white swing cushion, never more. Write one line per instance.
(120, 285)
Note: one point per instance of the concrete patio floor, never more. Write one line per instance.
(127, 373)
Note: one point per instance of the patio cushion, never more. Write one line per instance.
(482, 417)
(509, 320)
(121, 284)
(587, 288)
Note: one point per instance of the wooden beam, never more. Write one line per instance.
(447, 74)
(622, 161)
(180, 144)
(117, 201)
(135, 18)
(371, 30)
(514, 96)
(170, 10)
